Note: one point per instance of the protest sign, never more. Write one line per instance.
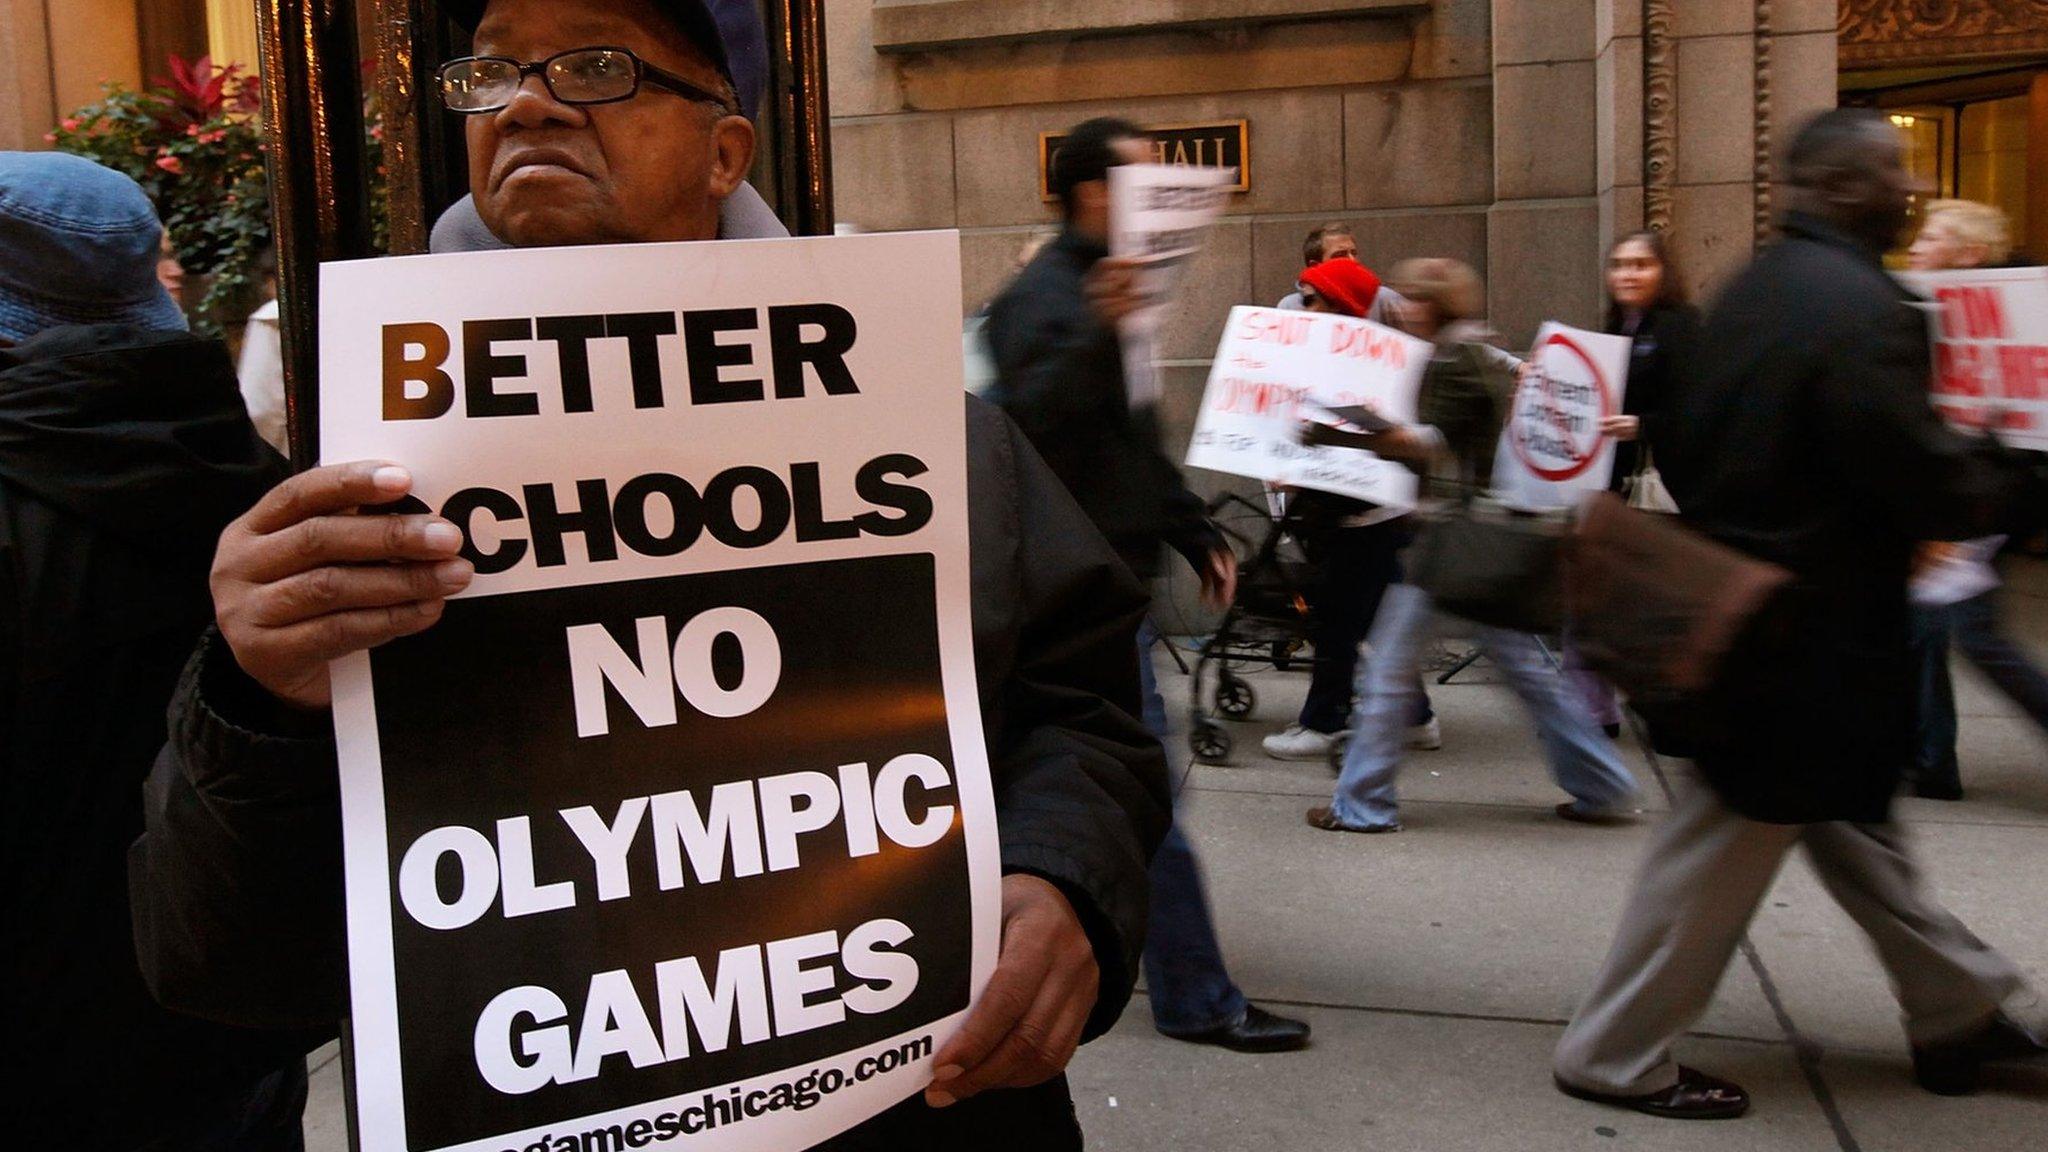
(1158, 215)
(1552, 450)
(1991, 350)
(1274, 368)
(677, 827)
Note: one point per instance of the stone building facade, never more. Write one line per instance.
(1518, 135)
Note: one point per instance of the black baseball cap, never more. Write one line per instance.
(694, 17)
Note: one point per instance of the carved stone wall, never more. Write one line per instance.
(1888, 31)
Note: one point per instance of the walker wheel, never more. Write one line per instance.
(1209, 742)
(1234, 697)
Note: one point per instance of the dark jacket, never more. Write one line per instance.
(1060, 375)
(1666, 339)
(1807, 440)
(123, 453)
(1464, 397)
(238, 879)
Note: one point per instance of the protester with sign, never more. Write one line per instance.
(124, 451)
(1648, 305)
(237, 880)
(1955, 587)
(1454, 440)
(1356, 548)
(1061, 373)
(1806, 441)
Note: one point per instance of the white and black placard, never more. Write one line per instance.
(1553, 450)
(676, 830)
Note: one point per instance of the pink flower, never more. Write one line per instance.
(49, 137)
(171, 164)
(70, 124)
(191, 129)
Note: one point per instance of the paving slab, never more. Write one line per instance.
(1396, 1083)
(1500, 911)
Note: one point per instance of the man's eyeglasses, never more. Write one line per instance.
(477, 84)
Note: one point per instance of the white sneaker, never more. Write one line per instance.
(1426, 737)
(1298, 743)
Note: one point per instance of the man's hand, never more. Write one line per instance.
(1219, 579)
(1112, 287)
(1621, 427)
(1316, 434)
(1030, 1017)
(302, 579)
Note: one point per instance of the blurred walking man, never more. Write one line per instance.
(1808, 441)
(1060, 373)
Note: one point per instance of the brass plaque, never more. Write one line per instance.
(1223, 144)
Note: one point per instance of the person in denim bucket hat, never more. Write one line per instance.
(124, 450)
(78, 245)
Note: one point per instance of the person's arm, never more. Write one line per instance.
(1188, 530)
(235, 883)
(1882, 436)
(1678, 339)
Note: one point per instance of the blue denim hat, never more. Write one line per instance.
(78, 245)
(728, 31)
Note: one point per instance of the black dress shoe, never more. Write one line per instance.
(1256, 1031)
(1952, 1068)
(1938, 789)
(1696, 1096)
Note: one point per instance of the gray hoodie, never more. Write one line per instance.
(743, 216)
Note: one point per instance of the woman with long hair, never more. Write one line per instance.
(1647, 301)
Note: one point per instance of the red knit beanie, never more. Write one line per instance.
(1348, 285)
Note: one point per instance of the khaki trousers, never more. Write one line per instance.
(1707, 871)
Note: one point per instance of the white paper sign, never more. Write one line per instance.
(1159, 215)
(1270, 364)
(1551, 450)
(677, 827)
(1991, 350)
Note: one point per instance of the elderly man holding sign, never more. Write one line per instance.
(619, 122)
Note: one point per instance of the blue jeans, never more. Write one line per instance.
(1190, 989)
(1934, 759)
(1974, 628)
(1356, 567)
(1582, 760)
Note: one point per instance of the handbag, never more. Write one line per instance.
(1646, 490)
(1658, 608)
(1494, 565)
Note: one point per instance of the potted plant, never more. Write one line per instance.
(194, 142)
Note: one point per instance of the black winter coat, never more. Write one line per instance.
(238, 879)
(123, 453)
(1060, 375)
(1807, 440)
(1666, 340)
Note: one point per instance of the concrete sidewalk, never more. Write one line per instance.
(1439, 965)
